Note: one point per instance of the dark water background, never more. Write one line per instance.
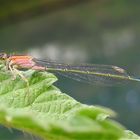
(101, 32)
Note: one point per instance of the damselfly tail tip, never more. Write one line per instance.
(135, 79)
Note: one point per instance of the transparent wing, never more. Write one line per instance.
(89, 73)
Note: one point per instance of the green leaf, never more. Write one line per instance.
(43, 110)
(129, 135)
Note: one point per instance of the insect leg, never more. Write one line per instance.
(17, 72)
(9, 65)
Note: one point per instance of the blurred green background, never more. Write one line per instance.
(79, 31)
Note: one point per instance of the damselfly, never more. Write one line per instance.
(88, 73)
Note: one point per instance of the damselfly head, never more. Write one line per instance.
(3, 56)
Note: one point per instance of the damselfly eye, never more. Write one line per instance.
(3, 56)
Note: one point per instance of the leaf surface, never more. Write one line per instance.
(43, 110)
